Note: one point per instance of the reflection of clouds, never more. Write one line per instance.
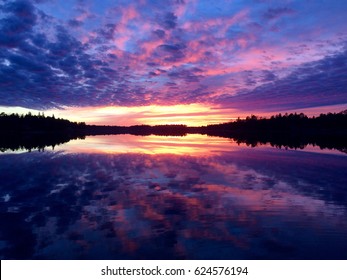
(168, 206)
(192, 144)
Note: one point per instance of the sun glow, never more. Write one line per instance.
(191, 115)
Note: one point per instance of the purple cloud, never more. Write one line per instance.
(133, 53)
(313, 84)
(274, 13)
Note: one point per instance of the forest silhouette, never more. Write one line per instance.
(283, 131)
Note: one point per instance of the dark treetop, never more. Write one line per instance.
(288, 130)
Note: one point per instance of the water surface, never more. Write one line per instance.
(156, 197)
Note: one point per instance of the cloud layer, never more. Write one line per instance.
(252, 55)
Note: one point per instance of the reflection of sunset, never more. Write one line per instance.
(152, 197)
(192, 144)
(179, 190)
(173, 199)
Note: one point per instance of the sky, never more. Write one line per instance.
(177, 61)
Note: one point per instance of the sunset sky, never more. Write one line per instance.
(177, 61)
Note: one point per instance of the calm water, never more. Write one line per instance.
(194, 197)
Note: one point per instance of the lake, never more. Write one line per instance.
(157, 197)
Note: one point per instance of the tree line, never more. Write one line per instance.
(29, 123)
(335, 123)
(287, 130)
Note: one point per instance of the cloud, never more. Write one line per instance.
(188, 75)
(108, 31)
(75, 23)
(313, 84)
(171, 52)
(268, 76)
(49, 78)
(168, 21)
(19, 22)
(171, 48)
(274, 13)
(160, 33)
(133, 53)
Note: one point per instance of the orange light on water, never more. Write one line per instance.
(192, 144)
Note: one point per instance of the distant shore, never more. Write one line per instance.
(288, 130)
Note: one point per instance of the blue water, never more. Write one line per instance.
(109, 197)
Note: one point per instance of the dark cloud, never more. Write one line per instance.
(17, 24)
(171, 52)
(268, 76)
(160, 33)
(171, 84)
(274, 13)
(319, 83)
(108, 31)
(168, 21)
(75, 23)
(152, 74)
(45, 73)
(152, 64)
(112, 56)
(187, 75)
(172, 48)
